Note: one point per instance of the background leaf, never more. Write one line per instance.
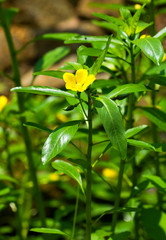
(50, 58)
(49, 231)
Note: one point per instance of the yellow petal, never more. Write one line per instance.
(70, 86)
(70, 80)
(90, 79)
(3, 102)
(81, 76)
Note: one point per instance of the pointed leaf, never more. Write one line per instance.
(97, 64)
(49, 231)
(38, 126)
(68, 169)
(141, 144)
(58, 140)
(113, 124)
(152, 48)
(43, 90)
(116, 21)
(127, 88)
(161, 34)
(51, 73)
(157, 181)
(133, 131)
(157, 116)
(50, 58)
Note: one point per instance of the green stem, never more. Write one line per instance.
(20, 98)
(89, 172)
(75, 213)
(19, 219)
(153, 99)
(117, 197)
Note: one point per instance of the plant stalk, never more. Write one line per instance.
(89, 172)
(117, 197)
(75, 213)
(20, 99)
(153, 99)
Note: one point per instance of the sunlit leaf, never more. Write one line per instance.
(152, 48)
(127, 88)
(133, 131)
(68, 169)
(112, 122)
(49, 231)
(43, 90)
(58, 140)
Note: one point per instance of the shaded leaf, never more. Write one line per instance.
(38, 126)
(51, 73)
(50, 58)
(157, 181)
(157, 116)
(141, 144)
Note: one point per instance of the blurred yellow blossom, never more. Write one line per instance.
(62, 117)
(110, 173)
(144, 36)
(164, 57)
(137, 6)
(78, 82)
(3, 102)
(54, 177)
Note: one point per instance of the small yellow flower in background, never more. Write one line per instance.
(78, 82)
(110, 173)
(53, 177)
(144, 36)
(3, 102)
(62, 117)
(164, 57)
(137, 6)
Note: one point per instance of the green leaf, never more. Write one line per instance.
(141, 144)
(157, 181)
(106, 25)
(43, 90)
(68, 169)
(91, 39)
(121, 236)
(152, 48)
(97, 64)
(50, 58)
(141, 26)
(112, 122)
(125, 13)
(133, 131)
(9, 14)
(7, 178)
(135, 19)
(58, 140)
(38, 126)
(116, 21)
(127, 88)
(157, 116)
(81, 58)
(49, 231)
(153, 222)
(161, 34)
(51, 73)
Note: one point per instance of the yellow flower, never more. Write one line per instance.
(110, 173)
(144, 36)
(137, 6)
(3, 102)
(164, 57)
(53, 177)
(78, 82)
